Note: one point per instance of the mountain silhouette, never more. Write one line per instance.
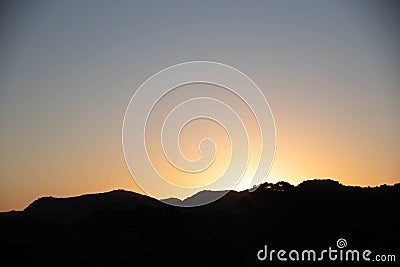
(125, 228)
(74, 209)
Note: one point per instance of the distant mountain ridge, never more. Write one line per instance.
(79, 207)
(118, 228)
(73, 209)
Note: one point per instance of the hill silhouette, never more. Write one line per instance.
(75, 209)
(125, 228)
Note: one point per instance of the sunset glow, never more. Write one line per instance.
(329, 71)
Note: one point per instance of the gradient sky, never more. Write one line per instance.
(329, 69)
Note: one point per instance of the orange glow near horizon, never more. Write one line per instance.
(80, 165)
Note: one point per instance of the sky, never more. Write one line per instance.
(68, 69)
